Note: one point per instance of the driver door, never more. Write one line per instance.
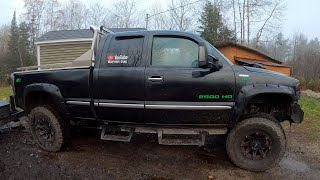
(175, 84)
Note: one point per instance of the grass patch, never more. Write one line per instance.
(310, 106)
(5, 92)
(310, 127)
(311, 123)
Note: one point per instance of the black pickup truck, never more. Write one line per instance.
(174, 84)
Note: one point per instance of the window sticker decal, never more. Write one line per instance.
(117, 59)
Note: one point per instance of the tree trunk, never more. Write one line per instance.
(248, 23)
(234, 17)
(241, 22)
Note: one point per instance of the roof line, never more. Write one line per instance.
(224, 44)
(63, 40)
(248, 60)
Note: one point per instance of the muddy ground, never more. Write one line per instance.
(87, 157)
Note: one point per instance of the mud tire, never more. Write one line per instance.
(263, 125)
(45, 117)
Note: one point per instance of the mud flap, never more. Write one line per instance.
(296, 113)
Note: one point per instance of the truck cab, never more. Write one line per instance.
(156, 77)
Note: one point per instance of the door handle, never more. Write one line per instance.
(155, 78)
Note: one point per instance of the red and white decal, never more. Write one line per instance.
(110, 58)
(117, 59)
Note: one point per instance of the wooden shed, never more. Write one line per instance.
(65, 46)
(242, 55)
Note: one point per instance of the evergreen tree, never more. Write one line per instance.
(13, 43)
(25, 47)
(212, 27)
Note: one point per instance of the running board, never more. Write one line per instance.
(181, 141)
(166, 136)
(122, 138)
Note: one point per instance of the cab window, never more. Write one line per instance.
(123, 52)
(174, 52)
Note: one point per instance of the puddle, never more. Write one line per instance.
(294, 165)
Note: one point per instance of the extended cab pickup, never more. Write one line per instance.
(165, 82)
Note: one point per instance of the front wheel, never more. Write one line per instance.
(47, 128)
(256, 144)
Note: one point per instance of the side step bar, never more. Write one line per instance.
(182, 141)
(122, 138)
(166, 136)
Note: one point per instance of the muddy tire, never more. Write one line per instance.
(256, 144)
(47, 128)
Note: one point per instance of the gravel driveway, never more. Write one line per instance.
(90, 158)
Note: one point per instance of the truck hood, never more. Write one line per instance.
(262, 76)
(260, 70)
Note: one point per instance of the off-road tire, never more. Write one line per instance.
(47, 115)
(275, 135)
(269, 117)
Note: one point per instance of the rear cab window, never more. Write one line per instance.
(123, 51)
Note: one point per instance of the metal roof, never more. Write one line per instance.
(78, 34)
(225, 44)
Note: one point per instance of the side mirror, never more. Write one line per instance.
(203, 56)
(215, 64)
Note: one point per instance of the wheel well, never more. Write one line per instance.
(277, 105)
(35, 98)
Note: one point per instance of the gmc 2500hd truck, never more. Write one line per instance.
(170, 83)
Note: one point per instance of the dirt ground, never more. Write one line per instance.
(87, 157)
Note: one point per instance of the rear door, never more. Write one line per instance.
(119, 80)
(179, 92)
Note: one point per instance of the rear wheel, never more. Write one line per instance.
(256, 144)
(47, 128)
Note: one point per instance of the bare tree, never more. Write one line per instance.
(98, 15)
(255, 18)
(52, 15)
(34, 17)
(182, 14)
(275, 10)
(74, 15)
(4, 38)
(234, 16)
(159, 19)
(124, 14)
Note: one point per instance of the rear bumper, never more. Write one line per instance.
(9, 112)
(297, 113)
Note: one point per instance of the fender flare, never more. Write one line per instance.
(250, 91)
(51, 89)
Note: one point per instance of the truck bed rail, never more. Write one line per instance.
(47, 66)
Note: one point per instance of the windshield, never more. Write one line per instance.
(217, 54)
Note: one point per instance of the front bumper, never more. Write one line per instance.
(9, 112)
(297, 113)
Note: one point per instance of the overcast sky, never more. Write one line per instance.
(301, 16)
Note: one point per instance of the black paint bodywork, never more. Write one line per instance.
(180, 86)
